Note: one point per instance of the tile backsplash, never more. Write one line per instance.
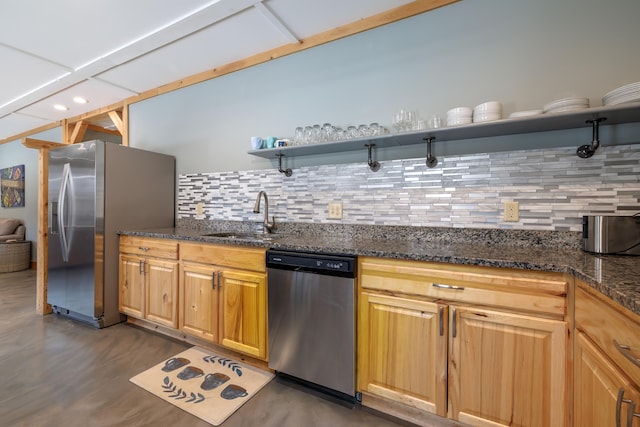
(553, 187)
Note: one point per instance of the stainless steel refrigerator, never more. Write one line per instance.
(95, 189)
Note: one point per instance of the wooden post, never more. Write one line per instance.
(42, 307)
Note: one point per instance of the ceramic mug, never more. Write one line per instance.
(270, 142)
(212, 381)
(190, 372)
(175, 363)
(256, 143)
(233, 391)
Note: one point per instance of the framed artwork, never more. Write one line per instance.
(12, 187)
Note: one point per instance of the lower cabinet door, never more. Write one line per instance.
(162, 292)
(402, 351)
(598, 400)
(131, 283)
(244, 312)
(198, 312)
(507, 369)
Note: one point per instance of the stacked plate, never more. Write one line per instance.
(459, 116)
(527, 113)
(626, 93)
(566, 104)
(487, 112)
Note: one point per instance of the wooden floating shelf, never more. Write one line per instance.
(618, 114)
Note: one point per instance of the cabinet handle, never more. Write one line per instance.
(626, 352)
(441, 313)
(213, 280)
(143, 248)
(219, 280)
(632, 413)
(454, 326)
(632, 409)
(441, 286)
(141, 266)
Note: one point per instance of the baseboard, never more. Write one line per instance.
(406, 413)
(182, 337)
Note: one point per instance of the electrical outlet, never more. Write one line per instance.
(511, 211)
(335, 210)
(199, 209)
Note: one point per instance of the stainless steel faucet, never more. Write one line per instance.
(268, 226)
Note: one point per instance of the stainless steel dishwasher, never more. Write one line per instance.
(312, 312)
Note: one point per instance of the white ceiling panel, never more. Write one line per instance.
(306, 18)
(74, 32)
(16, 123)
(234, 38)
(97, 92)
(21, 73)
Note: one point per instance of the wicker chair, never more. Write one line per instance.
(15, 252)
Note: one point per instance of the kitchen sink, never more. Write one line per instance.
(243, 236)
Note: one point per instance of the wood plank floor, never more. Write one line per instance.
(58, 372)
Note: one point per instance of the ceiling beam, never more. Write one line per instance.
(116, 118)
(40, 143)
(79, 129)
(101, 129)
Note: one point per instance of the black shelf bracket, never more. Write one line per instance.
(586, 151)
(373, 165)
(432, 160)
(287, 171)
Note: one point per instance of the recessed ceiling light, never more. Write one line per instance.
(60, 107)
(80, 100)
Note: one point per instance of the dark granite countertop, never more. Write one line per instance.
(615, 276)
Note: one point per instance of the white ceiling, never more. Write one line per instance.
(109, 50)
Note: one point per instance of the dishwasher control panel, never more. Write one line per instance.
(318, 263)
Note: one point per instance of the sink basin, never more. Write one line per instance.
(242, 236)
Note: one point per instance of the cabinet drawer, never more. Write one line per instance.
(611, 328)
(158, 248)
(520, 290)
(224, 255)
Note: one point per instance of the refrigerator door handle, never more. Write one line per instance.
(62, 195)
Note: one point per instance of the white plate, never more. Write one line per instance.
(566, 102)
(633, 97)
(527, 113)
(631, 87)
(568, 108)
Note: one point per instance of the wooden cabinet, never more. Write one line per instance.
(224, 296)
(484, 346)
(606, 363)
(506, 368)
(199, 301)
(402, 351)
(149, 279)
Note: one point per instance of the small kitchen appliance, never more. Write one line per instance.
(618, 235)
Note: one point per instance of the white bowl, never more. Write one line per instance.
(457, 122)
(489, 117)
(488, 107)
(460, 111)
